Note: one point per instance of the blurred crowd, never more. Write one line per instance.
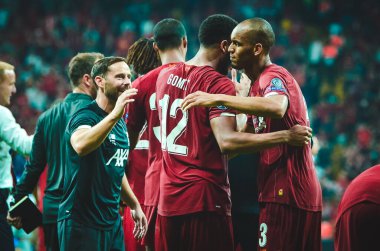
(330, 46)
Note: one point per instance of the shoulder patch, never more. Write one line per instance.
(276, 84)
(222, 107)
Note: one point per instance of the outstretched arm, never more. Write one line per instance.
(232, 142)
(274, 106)
(86, 140)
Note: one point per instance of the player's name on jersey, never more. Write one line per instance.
(178, 82)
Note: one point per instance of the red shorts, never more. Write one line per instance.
(282, 227)
(151, 216)
(358, 228)
(202, 231)
(128, 224)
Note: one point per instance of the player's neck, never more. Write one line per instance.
(256, 69)
(171, 56)
(81, 89)
(104, 103)
(205, 57)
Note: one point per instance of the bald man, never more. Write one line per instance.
(289, 192)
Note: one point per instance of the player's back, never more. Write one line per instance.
(194, 174)
(364, 188)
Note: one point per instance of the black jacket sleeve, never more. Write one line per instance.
(35, 165)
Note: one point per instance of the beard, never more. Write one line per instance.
(111, 92)
(223, 65)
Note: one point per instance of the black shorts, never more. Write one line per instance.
(75, 236)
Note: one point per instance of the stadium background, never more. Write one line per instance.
(332, 48)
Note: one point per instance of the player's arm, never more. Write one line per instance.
(138, 216)
(273, 106)
(35, 165)
(231, 142)
(86, 139)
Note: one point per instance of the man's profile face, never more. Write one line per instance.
(241, 49)
(7, 87)
(118, 79)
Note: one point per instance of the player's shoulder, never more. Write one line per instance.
(274, 70)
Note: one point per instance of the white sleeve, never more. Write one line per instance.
(12, 133)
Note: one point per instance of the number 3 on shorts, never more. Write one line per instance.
(263, 237)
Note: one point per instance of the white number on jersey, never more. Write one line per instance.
(263, 233)
(168, 140)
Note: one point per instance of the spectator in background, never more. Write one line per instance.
(12, 136)
(49, 148)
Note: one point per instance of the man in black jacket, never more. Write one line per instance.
(48, 148)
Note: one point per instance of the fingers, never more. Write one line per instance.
(139, 230)
(189, 101)
(14, 221)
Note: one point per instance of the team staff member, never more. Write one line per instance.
(289, 191)
(12, 136)
(48, 146)
(171, 44)
(97, 144)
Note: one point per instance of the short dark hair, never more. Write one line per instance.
(215, 29)
(81, 64)
(142, 57)
(100, 67)
(168, 33)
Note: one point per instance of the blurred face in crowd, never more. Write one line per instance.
(241, 49)
(118, 79)
(7, 87)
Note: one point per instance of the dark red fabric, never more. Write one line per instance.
(287, 173)
(365, 187)
(194, 172)
(151, 216)
(144, 110)
(358, 228)
(131, 244)
(204, 231)
(291, 228)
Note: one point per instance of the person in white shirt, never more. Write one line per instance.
(12, 136)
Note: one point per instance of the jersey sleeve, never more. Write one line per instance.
(84, 118)
(273, 84)
(222, 85)
(136, 110)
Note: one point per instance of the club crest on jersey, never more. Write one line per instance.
(277, 85)
(119, 157)
(112, 138)
(259, 124)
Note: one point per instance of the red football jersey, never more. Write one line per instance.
(138, 164)
(194, 173)
(142, 111)
(286, 174)
(364, 187)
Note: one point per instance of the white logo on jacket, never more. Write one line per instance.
(120, 155)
